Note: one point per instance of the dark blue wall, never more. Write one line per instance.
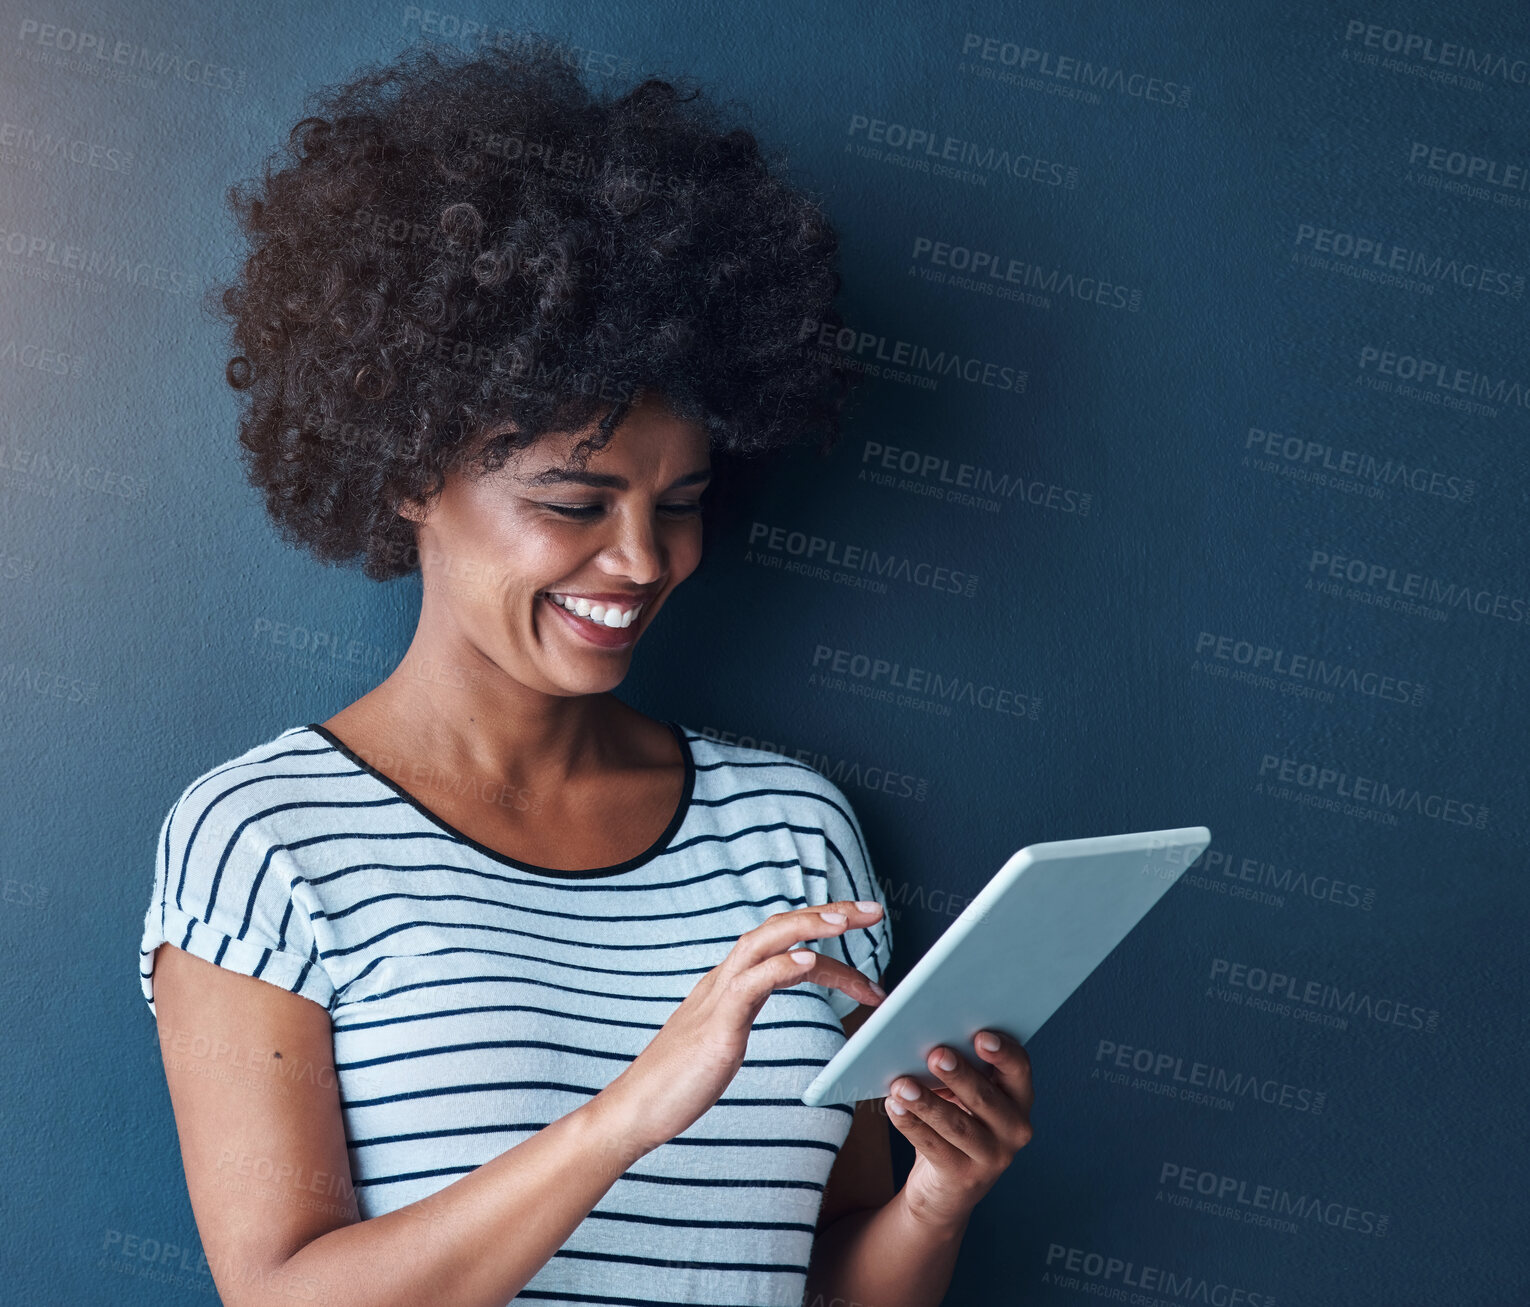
(1197, 432)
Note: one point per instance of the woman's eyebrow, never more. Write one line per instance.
(560, 475)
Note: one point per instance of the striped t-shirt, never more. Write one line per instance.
(475, 998)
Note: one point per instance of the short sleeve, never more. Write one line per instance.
(223, 891)
(849, 875)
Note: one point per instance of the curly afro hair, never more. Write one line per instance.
(461, 252)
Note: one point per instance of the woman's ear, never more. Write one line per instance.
(413, 508)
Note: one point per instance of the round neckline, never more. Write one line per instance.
(687, 790)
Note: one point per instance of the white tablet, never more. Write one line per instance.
(1030, 937)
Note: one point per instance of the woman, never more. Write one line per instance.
(533, 1022)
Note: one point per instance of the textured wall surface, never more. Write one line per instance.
(1189, 487)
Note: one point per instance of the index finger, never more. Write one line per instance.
(1011, 1066)
(777, 932)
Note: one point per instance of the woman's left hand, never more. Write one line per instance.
(966, 1131)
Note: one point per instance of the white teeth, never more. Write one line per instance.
(598, 613)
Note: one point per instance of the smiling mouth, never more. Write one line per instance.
(613, 616)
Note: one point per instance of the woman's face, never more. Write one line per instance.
(624, 530)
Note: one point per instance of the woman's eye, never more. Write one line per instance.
(581, 511)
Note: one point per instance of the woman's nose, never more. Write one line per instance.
(638, 547)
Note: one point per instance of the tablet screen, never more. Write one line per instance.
(1027, 941)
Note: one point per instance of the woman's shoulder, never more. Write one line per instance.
(817, 811)
(240, 788)
(755, 766)
(220, 889)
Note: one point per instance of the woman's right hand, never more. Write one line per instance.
(698, 1051)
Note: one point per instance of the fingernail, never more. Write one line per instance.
(804, 956)
(877, 989)
(895, 1107)
(989, 1043)
(947, 1060)
(868, 906)
(832, 916)
(908, 1091)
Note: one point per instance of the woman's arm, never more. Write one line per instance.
(883, 1256)
(250, 1069)
(862, 1174)
(900, 1249)
(862, 1219)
